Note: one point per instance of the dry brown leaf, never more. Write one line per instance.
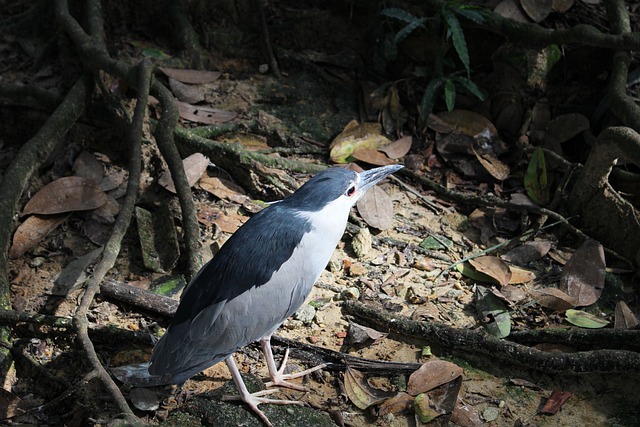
(555, 402)
(493, 165)
(228, 221)
(432, 374)
(537, 10)
(106, 213)
(398, 148)
(194, 166)
(86, 165)
(359, 334)
(583, 275)
(144, 399)
(11, 405)
(396, 405)
(469, 123)
(191, 94)
(566, 126)
(528, 252)
(32, 231)
(465, 415)
(223, 189)
(520, 275)
(376, 208)
(68, 194)
(204, 114)
(360, 392)
(372, 156)
(114, 179)
(493, 267)
(191, 76)
(512, 294)
(561, 6)
(511, 9)
(624, 317)
(554, 299)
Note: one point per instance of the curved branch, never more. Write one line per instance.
(112, 247)
(502, 350)
(164, 134)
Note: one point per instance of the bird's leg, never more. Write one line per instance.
(278, 377)
(253, 399)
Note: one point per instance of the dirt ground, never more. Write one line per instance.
(315, 108)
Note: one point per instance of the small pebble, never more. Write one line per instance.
(305, 314)
(37, 262)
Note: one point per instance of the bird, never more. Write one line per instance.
(260, 276)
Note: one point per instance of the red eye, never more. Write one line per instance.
(351, 191)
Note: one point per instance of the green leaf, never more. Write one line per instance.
(408, 29)
(554, 54)
(436, 243)
(457, 36)
(494, 311)
(471, 13)
(399, 14)
(450, 94)
(536, 179)
(429, 97)
(471, 87)
(585, 320)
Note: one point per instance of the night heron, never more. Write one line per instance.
(259, 278)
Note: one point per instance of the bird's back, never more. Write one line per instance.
(260, 276)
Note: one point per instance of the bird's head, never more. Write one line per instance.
(337, 188)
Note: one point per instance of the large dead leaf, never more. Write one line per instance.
(493, 267)
(357, 136)
(624, 317)
(537, 10)
(204, 114)
(555, 402)
(398, 148)
(567, 126)
(360, 392)
(223, 189)
(372, 156)
(191, 94)
(511, 9)
(376, 208)
(191, 76)
(87, 166)
(554, 299)
(493, 165)
(583, 275)
(396, 405)
(194, 166)
(74, 274)
(32, 231)
(432, 374)
(469, 123)
(528, 252)
(11, 405)
(228, 221)
(68, 194)
(359, 334)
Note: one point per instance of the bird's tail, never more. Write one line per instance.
(138, 375)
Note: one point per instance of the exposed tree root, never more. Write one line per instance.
(497, 349)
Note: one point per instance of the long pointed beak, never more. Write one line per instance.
(371, 177)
